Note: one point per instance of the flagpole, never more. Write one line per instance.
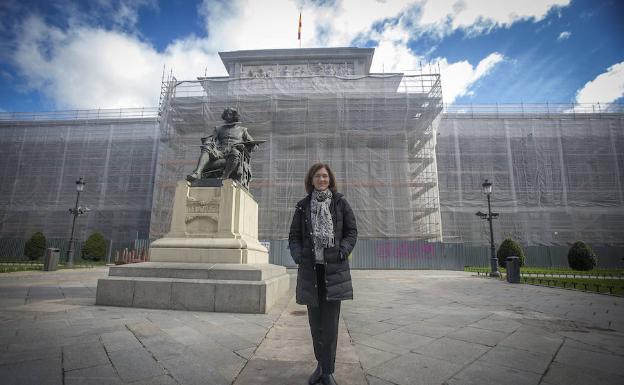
(299, 28)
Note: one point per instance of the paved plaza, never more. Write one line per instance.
(404, 327)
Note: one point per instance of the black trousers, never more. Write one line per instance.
(324, 324)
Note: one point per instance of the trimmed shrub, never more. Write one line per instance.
(581, 257)
(35, 246)
(94, 248)
(509, 248)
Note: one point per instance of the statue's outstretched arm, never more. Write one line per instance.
(247, 136)
(212, 138)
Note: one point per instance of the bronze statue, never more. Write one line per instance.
(226, 153)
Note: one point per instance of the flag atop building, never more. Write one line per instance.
(299, 30)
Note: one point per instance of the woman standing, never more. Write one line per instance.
(322, 235)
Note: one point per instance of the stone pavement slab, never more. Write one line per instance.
(607, 363)
(452, 350)
(562, 374)
(426, 329)
(135, 364)
(84, 355)
(403, 328)
(370, 357)
(44, 371)
(517, 359)
(93, 375)
(486, 373)
(478, 335)
(415, 369)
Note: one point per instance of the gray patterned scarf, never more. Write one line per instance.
(322, 225)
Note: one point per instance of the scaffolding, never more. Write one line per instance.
(376, 131)
(42, 154)
(557, 169)
(557, 172)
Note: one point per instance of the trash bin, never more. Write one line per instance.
(51, 259)
(513, 269)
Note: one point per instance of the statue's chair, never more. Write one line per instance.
(241, 173)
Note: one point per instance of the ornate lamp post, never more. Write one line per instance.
(76, 211)
(487, 190)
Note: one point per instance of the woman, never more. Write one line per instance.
(322, 235)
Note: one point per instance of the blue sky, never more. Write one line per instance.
(63, 54)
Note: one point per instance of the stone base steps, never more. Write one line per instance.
(232, 288)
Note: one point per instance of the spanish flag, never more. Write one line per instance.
(299, 31)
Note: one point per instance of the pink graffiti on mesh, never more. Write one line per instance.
(407, 250)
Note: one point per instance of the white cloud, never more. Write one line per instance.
(87, 66)
(564, 35)
(90, 67)
(393, 55)
(479, 16)
(605, 88)
(459, 77)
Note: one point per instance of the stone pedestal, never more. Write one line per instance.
(212, 225)
(211, 260)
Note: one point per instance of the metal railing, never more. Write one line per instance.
(418, 254)
(413, 86)
(94, 114)
(532, 109)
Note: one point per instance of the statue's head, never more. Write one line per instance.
(230, 115)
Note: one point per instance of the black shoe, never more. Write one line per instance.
(328, 379)
(315, 377)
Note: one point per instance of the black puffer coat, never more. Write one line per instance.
(337, 274)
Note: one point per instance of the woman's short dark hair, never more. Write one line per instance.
(310, 175)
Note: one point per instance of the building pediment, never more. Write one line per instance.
(342, 61)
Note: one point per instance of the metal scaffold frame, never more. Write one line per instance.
(376, 131)
(556, 169)
(42, 155)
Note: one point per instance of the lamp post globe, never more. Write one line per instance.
(487, 187)
(80, 184)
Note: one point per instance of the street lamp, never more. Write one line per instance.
(487, 190)
(76, 211)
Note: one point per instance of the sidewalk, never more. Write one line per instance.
(404, 327)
